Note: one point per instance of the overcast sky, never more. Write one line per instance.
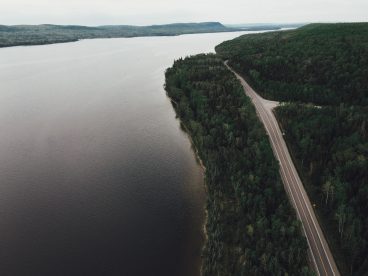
(144, 12)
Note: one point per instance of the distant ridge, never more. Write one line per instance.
(17, 35)
(266, 26)
(22, 35)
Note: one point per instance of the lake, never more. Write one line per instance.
(96, 176)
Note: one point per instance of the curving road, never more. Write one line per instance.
(320, 253)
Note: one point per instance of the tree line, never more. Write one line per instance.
(326, 64)
(251, 227)
(321, 70)
(331, 147)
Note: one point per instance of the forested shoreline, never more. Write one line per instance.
(321, 71)
(251, 227)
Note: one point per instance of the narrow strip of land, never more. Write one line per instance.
(319, 250)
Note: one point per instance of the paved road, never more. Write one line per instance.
(319, 250)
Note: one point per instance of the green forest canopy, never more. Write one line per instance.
(252, 228)
(325, 65)
(331, 147)
(318, 63)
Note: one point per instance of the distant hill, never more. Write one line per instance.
(47, 34)
(265, 26)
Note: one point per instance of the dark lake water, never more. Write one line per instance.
(96, 177)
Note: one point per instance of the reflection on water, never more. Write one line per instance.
(96, 177)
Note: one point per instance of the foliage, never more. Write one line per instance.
(326, 65)
(251, 227)
(332, 147)
(319, 63)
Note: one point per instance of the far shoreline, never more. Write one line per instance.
(37, 38)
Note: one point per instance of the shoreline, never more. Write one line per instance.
(203, 167)
(240, 216)
(107, 37)
(73, 40)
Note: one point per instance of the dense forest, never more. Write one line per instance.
(47, 34)
(319, 63)
(251, 227)
(331, 146)
(322, 71)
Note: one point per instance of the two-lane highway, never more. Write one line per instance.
(319, 250)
